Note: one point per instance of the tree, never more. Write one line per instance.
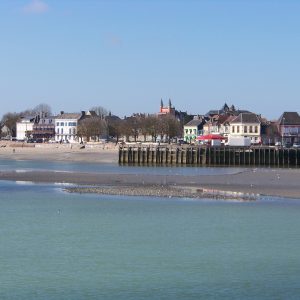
(170, 127)
(42, 108)
(100, 111)
(9, 120)
(115, 127)
(92, 127)
(132, 127)
(151, 126)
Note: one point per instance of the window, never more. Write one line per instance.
(72, 123)
(74, 131)
(186, 131)
(256, 129)
(233, 129)
(61, 131)
(61, 123)
(57, 123)
(250, 129)
(70, 131)
(245, 129)
(238, 129)
(57, 131)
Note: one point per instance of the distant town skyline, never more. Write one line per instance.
(127, 55)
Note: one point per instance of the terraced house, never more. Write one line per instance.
(66, 127)
(246, 125)
(192, 129)
(289, 127)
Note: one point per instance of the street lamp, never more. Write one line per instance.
(282, 131)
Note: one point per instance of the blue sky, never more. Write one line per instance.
(127, 55)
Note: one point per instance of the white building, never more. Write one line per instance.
(192, 129)
(246, 125)
(24, 128)
(66, 127)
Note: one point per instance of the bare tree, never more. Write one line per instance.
(43, 108)
(132, 127)
(92, 128)
(115, 127)
(100, 111)
(150, 126)
(170, 127)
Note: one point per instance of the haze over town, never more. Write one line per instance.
(127, 55)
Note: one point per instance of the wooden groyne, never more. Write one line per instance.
(209, 156)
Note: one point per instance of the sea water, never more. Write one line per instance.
(56, 245)
(66, 166)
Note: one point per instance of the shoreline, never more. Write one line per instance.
(264, 182)
(250, 181)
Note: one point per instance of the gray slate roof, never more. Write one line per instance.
(289, 118)
(68, 116)
(194, 123)
(246, 118)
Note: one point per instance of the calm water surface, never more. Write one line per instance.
(55, 245)
(26, 165)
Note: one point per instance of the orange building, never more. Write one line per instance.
(165, 110)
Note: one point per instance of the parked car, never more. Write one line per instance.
(296, 145)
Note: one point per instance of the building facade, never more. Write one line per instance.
(43, 128)
(192, 130)
(289, 128)
(24, 128)
(246, 125)
(66, 127)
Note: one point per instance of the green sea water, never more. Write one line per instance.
(55, 245)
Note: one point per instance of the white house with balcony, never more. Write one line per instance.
(246, 125)
(66, 127)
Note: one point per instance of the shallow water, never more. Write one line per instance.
(26, 165)
(56, 245)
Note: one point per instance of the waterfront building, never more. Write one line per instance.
(289, 128)
(66, 127)
(218, 124)
(24, 128)
(43, 127)
(246, 125)
(193, 129)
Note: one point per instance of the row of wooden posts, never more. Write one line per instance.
(209, 156)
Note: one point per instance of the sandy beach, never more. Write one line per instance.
(251, 181)
(101, 152)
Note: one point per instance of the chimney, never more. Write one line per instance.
(82, 113)
(62, 112)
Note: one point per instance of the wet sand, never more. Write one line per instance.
(252, 181)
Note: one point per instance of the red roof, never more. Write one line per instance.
(210, 137)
